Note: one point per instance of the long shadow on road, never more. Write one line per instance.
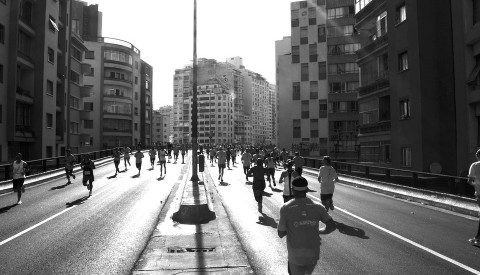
(6, 208)
(77, 202)
(350, 230)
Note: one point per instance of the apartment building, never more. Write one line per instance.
(67, 87)
(407, 88)
(301, 78)
(160, 127)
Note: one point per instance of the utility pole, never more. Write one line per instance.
(194, 98)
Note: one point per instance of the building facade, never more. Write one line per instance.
(160, 127)
(302, 80)
(407, 119)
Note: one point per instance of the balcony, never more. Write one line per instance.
(86, 91)
(119, 79)
(24, 133)
(86, 68)
(376, 44)
(383, 126)
(366, 7)
(381, 83)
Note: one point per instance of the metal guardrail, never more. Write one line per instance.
(422, 180)
(44, 165)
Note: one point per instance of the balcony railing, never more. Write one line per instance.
(378, 43)
(24, 92)
(379, 84)
(119, 79)
(365, 7)
(383, 126)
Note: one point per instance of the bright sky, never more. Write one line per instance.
(163, 31)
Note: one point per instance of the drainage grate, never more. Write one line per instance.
(178, 249)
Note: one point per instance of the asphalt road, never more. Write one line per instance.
(375, 234)
(59, 230)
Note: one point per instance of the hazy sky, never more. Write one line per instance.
(163, 31)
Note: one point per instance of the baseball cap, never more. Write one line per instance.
(300, 184)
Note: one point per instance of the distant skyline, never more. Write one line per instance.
(163, 31)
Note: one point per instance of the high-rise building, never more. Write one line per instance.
(407, 91)
(167, 111)
(302, 80)
(161, 127)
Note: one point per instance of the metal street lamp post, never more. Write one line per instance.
(194, 98)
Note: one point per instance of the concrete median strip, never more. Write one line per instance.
(192, 204)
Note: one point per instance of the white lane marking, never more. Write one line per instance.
(474, 271)
(44, 221)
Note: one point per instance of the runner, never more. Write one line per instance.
(169, 151)
(69, 162)
(20, 169)
(152, 153)
(327, 176)
(126, 156)
(287, 176)
(234, 156)
(176, 150)
(138, 160)
(229, 155)
(474, 180)
(258, 174)
(246, 160)
(299, 162)
(275, 156)
(299, 222)
(222, 158)
(184, 151)
(212, 155)
(88, 178)
(162, 157)
(270, 163)
(116, 160)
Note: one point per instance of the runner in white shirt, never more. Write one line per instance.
(474, 180)
(162, 156)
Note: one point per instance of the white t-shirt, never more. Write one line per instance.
(18, 170)
(246, 159)
(327, 176)
(474, 172)
(288, 181)
(222, 157)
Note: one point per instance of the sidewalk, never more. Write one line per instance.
(208, 248)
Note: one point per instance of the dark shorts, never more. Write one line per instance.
(221, 165)
(163, 162)
(325, 198)
(117, 162)
(68, 171)
(18, 183)
(139, 165)
(87, 178)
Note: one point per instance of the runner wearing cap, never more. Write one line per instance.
(299, 221)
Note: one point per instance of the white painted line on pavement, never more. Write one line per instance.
(474, 271)
(44, 221)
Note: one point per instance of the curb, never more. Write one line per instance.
(445, 201)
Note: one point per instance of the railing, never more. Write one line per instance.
(44, 165)
(421, 180)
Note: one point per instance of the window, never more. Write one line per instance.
(92, 72)
(1, 73)
(303, 4)
(321, 33)
(2, 34)
(74, 127)
(49, 120)
(313, 90)
(406, 153)
(382, 24)
(402, 62)
(49, 87)
(320, 2)
(322, 108)
(322, 70)
(118, 56)
(136, 65)
(51, 55)
(147, 100)
(52, 26)
(401, 14)
(404, 109)
(340, 31)
(26, 12)
(313, 52)
(312, 16)
(304, 72)
(314, 128)
(305, 109)
(74, 102)
(74, 77)
(76, 26)
(304, 35)
(1, 114)
(342, 49)
(135, 112)
(24, 43)
(77, 54)
(89, 55)
(297, 133)
(88, 124)
(296, 91)
(136, 96)
(88, 106)
(295, 54)
(147, 85)
(136, 80)
(340, 12)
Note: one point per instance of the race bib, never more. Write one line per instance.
(86, 173)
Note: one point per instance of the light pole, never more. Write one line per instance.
(194, 98)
